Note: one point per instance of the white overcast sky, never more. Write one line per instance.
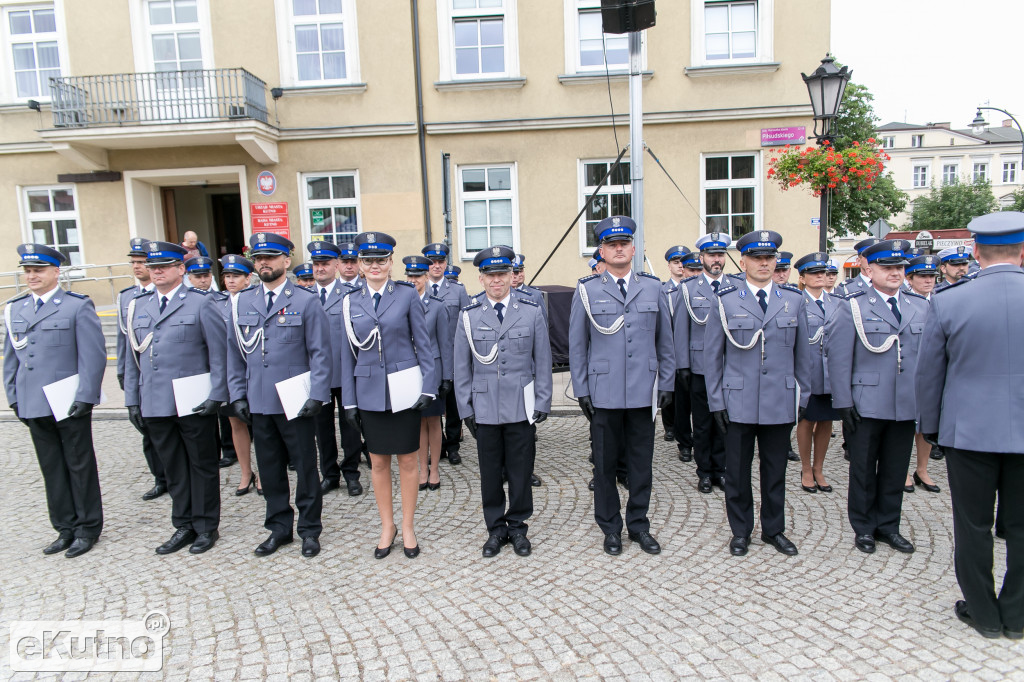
(934, 60)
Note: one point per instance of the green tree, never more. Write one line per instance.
(951, 207)
(1018, 201)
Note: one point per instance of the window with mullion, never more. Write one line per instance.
(478, 38)
(1010, 172)
(52, 219)
(320, 46)
(488, 210)
(595, 45)
(612, 199)
(730, 30)
(332, 206)
(35, 57)
(730, 194)
(980, 171)
(949, 174)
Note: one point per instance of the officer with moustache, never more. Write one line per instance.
(281, 331)
(758, 369)
(953, 264)
(137, 257)
(872, 348)
(178, 330)
(622, 359)
(53, 334)
(677, 419)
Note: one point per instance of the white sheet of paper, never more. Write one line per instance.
(293, 393)
(190, 392)
(60, 395)
(654, 399)
(529, 400)
(405, 387)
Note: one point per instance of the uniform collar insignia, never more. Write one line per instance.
(181, 295)
(391, 287)
(778, 293)
(743, 293)
(287, 292)
(871, 299)
(56, 301)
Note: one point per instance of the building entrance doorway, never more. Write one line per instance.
(213, 212)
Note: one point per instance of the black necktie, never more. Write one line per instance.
(270, 301)
(498, 307)
(323, 296)
(435, 289)
(622, 286)
(714, 285)
(376, 302)
(163, 303)
(39, 304)
(822, 306)
(762, 300)
(895, 310)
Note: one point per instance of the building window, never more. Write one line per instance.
(612, 199)
(34, 46)
(917, 140)
(920, 176)
(1010, 172)
(52, 219)
(726, 32)
(949, 173)
(888, 142)
(980, 172)
(730, 199)
(331, 210)
(488, 210)
(174, 35)
(478, 39)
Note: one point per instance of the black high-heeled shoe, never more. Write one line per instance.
(411, 552)
(423, 486)
(822, 488)
(381, 552)
(434, 486)
(930, 487)
(808, 488)
(245, 491)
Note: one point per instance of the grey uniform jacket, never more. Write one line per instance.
(680, 325)
(758, 389)
(619, 371)
(439, 328)
(816, 320)
(493, 394)
(336, 324)
(64, 338)
(295, 340)
(404, 343)
(188, 339)
(124, 297)
(455, 297)
(971, 348)
(875, 383)
(852, 286)
(703, 302)
(536, 294)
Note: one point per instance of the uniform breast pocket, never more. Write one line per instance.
(55, 332)
(289, 328)
(648, 312)
(185, 328)
(787, 327)
(336, 320)
(605, 313)
(877, 332)
(522, 340)
(741, 329)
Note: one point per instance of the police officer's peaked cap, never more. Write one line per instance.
(235, 263)
(40, 254)
(137, 246)
(374, 244)
(164, 253)
(494, 259)
(615, 228)
(759, 243)
(888, 252)
(1002, 227)
(319, 250)
(199, 264)
(416, 265)
(785, 260)
(813, 262)
(678, 251)
(270, 243)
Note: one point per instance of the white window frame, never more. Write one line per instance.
(306, 204)
(26, 216)
(142, 35)
(927, 174)
(461, 198)
(8, 86)
(985, 173)
(917, 141)
(757, 182)
(586, 190)
(1010, 169)
(888, 141)
(446, 16)
(572, 9)
(765, 52)
(950, 178)
(287, 58)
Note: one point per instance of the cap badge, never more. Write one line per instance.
(370, 237)
(495, 251)
(231, 259)
(30, 248)
(764, 236)
(960, 250)
(615, 221)
(153, 246)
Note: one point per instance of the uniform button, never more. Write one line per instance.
(502, 348)
(32, 341)
(627, 310)
(502, 374)
(629, 355)
(31, 355)
(629, 340)
(627, 325)
(503, 362)
(266, 365)
(764, 371)
(30, 367)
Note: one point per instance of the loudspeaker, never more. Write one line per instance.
(626, 16)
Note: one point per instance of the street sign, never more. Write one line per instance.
(924, 240)
(879, 228)
(771, 137)
(815, 222)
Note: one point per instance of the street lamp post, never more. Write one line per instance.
(826, 87)
(979, 124)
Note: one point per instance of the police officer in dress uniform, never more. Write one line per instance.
(137, 257)
(783, 267)
(53, 334)
(831, 275)
(456, 298)
(758, 370)
(304, 275)
(599, 265)
(519, 284)
(501, 348)
(861, 282)
(280, 331)
(175, 332)
(330, 291)
(622, 359)
(696, 298)
(969, 397)
(873, 345)
(452, 272)
(953, 265)
(677, 420)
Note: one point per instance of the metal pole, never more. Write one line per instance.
(446, 190)
(636, 147)
(823, 217)
(420, 126)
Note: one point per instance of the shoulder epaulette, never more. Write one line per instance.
(126, 289)
(647, 274)
(726, 289)
(204, 292)
(219, 295)
(20, 297)
(352, 290)
(351, 285)
(75, 294)
(914, 294)
(249, 288)
(477, 297)
(588, 278)
(305, 288)
(435, 298)
(144, 293)
(854, 294)
(404, 283)
(528, 301)
(691, 277)
(472, 305)
(790, 287)
(962, 280)
(453, 283)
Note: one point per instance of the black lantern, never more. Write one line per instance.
(826, 87)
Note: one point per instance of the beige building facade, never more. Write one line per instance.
(229, 116)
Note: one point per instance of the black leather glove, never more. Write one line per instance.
(207, 408)
(423, 402)
(850, 417)
(135, 417)
(931, 438)
(241, 410)
(539, 416)
(120, 381)
(587, 405)
(722, 419)
(801, 414)
(470, 423)
(444, 389)
(683, 377)
(352, 417)
(79, 409)
(664, 399)
(310, 408)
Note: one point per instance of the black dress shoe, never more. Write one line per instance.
(896, 541)
(327, 485)
(960, 609)
(355, 488)
(520, 544)
(792, 456)
(704, 485)
(865, 543)
(670, 435)
(1009, 633)
(738, 546)
(822, 488)
(203, 542)
(623, 481)
(591, 484)
(781, 543)
(646, 541)
(930, 487)
(719, 481)
(411, 552)
(271, 545)
(454, 458)
(685, 454)
(310, 547)
(534, 481)
(59, 545)
(423, 486)
(79, 546)
(183, 537)
(154, 492)
(613, 544)
(936, 453)
(381, 552)
(227, 461)
(493, 545)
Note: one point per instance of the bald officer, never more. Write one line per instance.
(622, 359)
(953, 264)
(53, 334)
(969, 397)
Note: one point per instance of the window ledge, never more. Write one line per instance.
(592, 78)
(480, 84)
(22, 107)
(731, 69)
(347, 89)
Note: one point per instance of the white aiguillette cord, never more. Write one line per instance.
(350, 332)
(689, 308)
(615, 326)
(482, 359)
(18, 345)
(247, 347)
(758, 335)
(139, 348)
(858, 324)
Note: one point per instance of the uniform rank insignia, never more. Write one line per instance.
(778, 293)
(56, 301)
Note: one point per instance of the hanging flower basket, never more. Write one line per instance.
(818, 168)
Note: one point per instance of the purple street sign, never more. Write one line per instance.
(771, 137)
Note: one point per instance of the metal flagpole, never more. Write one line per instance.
(636, 147)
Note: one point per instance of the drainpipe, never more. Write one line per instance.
(421, 130)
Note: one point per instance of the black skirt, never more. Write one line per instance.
(819, 409)
(391, 433)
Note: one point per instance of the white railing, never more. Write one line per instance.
(71, 276)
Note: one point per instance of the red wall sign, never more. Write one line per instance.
(270, 217)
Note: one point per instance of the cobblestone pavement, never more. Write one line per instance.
(566, 612)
